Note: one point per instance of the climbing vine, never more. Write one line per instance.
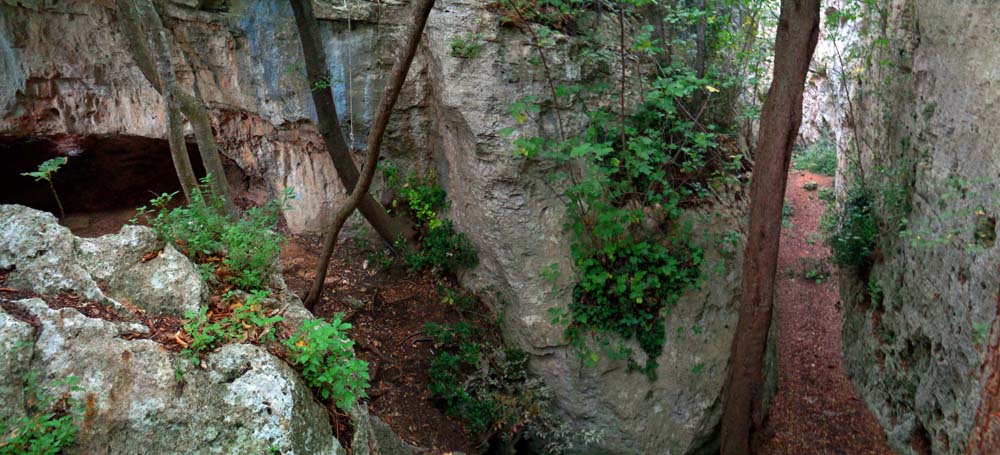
(655, 143)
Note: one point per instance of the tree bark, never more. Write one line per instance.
(375, 135)
(388, 228)
(798, 30)
(192, 107)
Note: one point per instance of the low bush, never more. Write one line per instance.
(245, 321)
(243, 252)
(819, 157)
(326, 355)
(48, 427)
(487, 387)
(442, 248)
(852, 230)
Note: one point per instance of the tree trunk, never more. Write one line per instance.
(388, 228)
(798, 30)
(190, 106)
(375, 135)
(143, 12)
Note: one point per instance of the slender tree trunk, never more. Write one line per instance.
(375, 135)
(798, 30)
(192, 107)
(144, 13)
(388, 228)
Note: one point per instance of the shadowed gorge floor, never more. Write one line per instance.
(817, 409)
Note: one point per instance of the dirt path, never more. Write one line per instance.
(817, 409)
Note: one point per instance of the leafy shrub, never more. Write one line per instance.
(48, 426)
(466, 46)
(819, 157)
(442, 248)
(244, 251)
(326, 356)
(852, 230)
(249, 321)
(633, 254)
(487, 387)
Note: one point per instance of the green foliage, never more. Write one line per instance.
(981, 333)
(246, 248)
(442, 248)
(48, 427)
(45, 171)
(852, 230)
(487, 387)
(326, 356)
(250, 321)
(787, 212)
(819, 157)
(466, 46)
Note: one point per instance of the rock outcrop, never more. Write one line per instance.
(78, 78)
(920, 332)
(138, 396)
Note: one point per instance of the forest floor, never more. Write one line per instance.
(388, 308)
(817, 409)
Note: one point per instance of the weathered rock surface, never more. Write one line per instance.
(153, 284)
(245, 63)
(139, 397)
(245, 401)
(15, 354)
(47, 259)
(920, 335)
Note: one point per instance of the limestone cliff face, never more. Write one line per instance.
(920, 334)
(69, 71)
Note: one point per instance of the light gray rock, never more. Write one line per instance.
(48, 259)
(244, 401)
(43, 254)
(16, 338)
(168, 284)
(919, 327)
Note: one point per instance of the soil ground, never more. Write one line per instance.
(817, 409)
(388, 309)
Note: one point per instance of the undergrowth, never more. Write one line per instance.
(240, 319)
(442, 248)
(851, 230)
(47, 428)
(819, 157)
(488, 387)
(238, 252)
(325, 354)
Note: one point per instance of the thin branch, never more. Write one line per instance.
(375, 136)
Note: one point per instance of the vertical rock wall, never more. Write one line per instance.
(920, 330)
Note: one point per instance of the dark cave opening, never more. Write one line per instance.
(104, 180)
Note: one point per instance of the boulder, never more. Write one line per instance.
(168, 284)
(140, 398)
(47, 259)
(16, 337)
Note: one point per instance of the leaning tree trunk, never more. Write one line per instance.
(189, 105)
(389, 228)
(375, 135)
(798, 30)
(142, 11)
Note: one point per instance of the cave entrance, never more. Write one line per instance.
(105, 179)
